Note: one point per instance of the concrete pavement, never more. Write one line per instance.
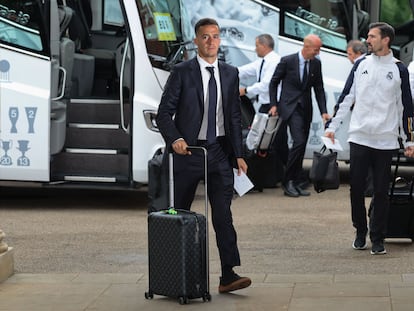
(291, 292)
(297, 252)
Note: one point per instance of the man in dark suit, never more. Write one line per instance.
(201, 106)
(298, 73)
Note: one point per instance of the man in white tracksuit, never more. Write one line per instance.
(379, 87)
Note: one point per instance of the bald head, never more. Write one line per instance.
(311, 46)
(312, 39)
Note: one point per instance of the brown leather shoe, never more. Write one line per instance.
(237, 282)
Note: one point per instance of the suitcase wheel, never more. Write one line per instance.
(207, 297)
(149, 295)
(183, 300)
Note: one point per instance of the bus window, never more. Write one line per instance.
(161, 25)
(326, 18)
(20, 25)
(113, 14)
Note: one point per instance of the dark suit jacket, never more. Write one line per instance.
(183, 98)
(293, 91)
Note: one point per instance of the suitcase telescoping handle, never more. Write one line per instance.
(171, 191)
(171, 177)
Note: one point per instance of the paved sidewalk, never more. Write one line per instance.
(124, 292)
(297, 252)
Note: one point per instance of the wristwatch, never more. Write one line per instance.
(245, 90)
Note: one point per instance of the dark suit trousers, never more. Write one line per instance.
(299, 130)
(362, 160)
(188, 171)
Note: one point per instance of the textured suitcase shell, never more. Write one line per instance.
(176, 250)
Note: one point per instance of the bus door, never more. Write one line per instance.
(25, 91)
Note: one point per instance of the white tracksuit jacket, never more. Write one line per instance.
(383, 104)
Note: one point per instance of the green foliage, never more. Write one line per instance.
(395, 12)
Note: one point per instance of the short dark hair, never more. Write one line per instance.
(385, 29)
(205, 22)
(267, 40)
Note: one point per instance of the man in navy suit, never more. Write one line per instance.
(201, 106)
(298, 72)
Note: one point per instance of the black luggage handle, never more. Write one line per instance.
(171, 175)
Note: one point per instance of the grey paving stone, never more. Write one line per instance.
(357, 289)
(341, 304)
(48, 296)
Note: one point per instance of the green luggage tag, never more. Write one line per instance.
(172, 211)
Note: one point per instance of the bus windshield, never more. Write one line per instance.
(168, 25)
(169, 28)
(161, 25)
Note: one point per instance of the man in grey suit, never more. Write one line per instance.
(299, 73)
(201, 106)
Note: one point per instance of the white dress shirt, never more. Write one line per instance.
(205, 75)
(252, 70)
(302, 61)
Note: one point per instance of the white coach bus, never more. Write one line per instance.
(80, 80)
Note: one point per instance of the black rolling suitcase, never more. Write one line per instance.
(401, 212)
(265, 167)
(178, 249)
(265, 170)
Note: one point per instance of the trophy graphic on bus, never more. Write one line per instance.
(23, 147)
(13, 116)
(4, 70)
(314, 139)
(6, 160)
(31, 115)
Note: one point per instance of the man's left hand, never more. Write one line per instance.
(242, 166)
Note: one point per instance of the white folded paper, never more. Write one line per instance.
(328, 143)
(242, 183)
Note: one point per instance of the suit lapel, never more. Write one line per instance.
(297, 69)
(197, 81)
(223, 83)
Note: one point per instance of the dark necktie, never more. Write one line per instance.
(305, 73)
(212, 104)
(260, 71)
(260, 77)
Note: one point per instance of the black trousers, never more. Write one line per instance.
(188, 171)
(299, 130)
(363, 159)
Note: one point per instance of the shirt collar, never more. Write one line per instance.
(204, 64)
(267, 55)
(360, 57)
(301, 58)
